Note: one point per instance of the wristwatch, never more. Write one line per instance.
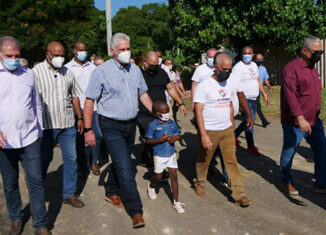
(87, 129)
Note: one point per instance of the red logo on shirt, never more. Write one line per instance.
(222, 93)
(251, 70)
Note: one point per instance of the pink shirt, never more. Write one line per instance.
(20, 107)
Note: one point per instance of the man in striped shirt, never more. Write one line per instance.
(116, 86)
(59, 92)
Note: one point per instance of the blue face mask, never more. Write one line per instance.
(247, 58)
(210, 61)
(11, 64)
(82, 55)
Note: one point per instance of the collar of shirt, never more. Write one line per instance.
(74, 63)
(302, 63)
(127, 68)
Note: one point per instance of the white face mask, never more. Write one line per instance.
(124, 57)
(57, 62)
(170, 67)
(165, 116)
(159, 60)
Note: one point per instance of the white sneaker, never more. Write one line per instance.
(151, 192)
(179, 207)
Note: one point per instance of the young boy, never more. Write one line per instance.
(162, 133)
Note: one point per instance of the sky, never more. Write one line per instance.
(117, 4)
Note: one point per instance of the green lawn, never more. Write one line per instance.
(273, 109)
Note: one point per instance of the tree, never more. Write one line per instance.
(201, 24)
(147, 27)
(35, 23)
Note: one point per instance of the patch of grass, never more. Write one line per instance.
(273, 110)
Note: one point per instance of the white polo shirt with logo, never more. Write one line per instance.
(217, 98)
(248, 75)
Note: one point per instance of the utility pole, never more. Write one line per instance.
(108, 23)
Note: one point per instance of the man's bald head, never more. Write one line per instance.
(259, 57)
(223, 59)
(211, 52)
(80, 46)
(56, 49)
(152, 58)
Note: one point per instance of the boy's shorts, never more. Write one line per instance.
(160, 163)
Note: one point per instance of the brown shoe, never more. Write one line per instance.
(114, 199)
(74, 202)
(95, 169)
(200, 190)
(243, 202)
(42, 231)
(138, 221)
(15, 227)
(289, 189)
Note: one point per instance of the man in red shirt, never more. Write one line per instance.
(300, 108)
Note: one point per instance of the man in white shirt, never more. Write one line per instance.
(246, 71)
(20, 128)
(202, 71)
(215, 114)
(82, 69)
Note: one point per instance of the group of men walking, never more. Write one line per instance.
(53, 104)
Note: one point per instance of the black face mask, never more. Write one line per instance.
(223, 75)
(259, 62)
(315, 57)
(152, 70)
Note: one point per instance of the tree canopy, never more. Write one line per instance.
(200, 24)
(35, 23)
(147, 27)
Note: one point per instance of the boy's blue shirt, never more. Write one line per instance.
(156, 129)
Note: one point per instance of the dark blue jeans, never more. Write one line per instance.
(30, 158)
(85, 155)
(119, 138)
(292, 136)
(244, 125)
(67, 141)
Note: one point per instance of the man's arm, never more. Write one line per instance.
(193, 87)
(245, 107)
(38, 108)
(289, 89)
(232, 113)
(80, 122)
(262, 91)
(88, 116)
(146, 101)
(3, 139)
(205, 140)
(174, 94)
(270, 88)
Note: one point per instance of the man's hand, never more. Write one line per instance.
(80, 126)
(270, 91)
(266, 99)
(207, 143)
(304, 125)
(90, 139)
(250, 123)
(3, 139)
(183, 110)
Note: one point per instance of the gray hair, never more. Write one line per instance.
(308, 40)
(9, 40)
(219, 57)
(118, 37)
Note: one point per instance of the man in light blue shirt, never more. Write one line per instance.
(117, 86)
(263, 75)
